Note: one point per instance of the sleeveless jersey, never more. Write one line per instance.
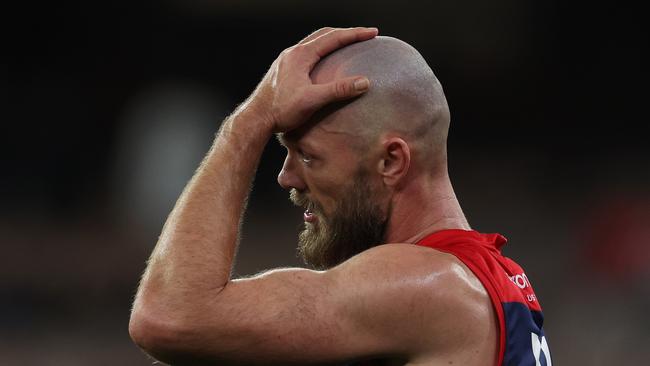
(521, 337)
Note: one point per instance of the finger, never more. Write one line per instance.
(316, 34)
(335, 39)
(340, 89)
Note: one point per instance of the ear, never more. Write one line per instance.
(395, 161)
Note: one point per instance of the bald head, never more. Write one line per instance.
(405, 97)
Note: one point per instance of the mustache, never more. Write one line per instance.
(301, 200)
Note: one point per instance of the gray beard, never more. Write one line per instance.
(357, 224)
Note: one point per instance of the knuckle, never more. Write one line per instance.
(279, 65)
(288, 51)
(283, 59)
(290, 54)
(293, 50)
(303, 47)
(325, 30)
(341, 89)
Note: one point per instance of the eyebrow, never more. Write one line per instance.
(289, 141)
(281, 139)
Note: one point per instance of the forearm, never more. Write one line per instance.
(193, 257)
(185, 306)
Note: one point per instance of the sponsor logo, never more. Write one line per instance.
(520, 280)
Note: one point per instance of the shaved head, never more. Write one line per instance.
(361, 169)
(405, 98)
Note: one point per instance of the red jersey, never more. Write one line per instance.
(521, 337)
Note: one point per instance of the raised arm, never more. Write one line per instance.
(191, 263)
(391, 300)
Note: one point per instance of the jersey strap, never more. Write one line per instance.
(521, 337)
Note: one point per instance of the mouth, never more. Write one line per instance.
(309, 216)
(301, 200)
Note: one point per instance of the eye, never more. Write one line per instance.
(306, 158)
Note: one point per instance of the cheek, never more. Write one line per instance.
(331, 179)
(327, 193)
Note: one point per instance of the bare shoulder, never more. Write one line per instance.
(426, 296)
(430, 269)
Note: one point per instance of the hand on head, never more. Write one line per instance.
(286, 97)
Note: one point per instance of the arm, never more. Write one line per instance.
(190, 266)
(392, 300)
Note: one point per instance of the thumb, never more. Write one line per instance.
(341, 89)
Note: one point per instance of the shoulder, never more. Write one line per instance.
(416, 291)
(430, 268)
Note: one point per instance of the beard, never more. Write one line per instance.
(356, 224)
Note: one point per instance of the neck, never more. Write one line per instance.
(423, 207)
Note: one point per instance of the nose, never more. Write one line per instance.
(288, 177)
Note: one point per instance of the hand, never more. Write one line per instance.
(287, 97)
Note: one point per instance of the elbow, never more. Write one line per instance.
(176, 334)
(171, 342)
(157, 335)
(142, 330)
(170, 338)
(148, 333)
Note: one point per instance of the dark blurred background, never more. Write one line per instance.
(108, 107)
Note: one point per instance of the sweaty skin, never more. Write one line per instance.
(396, 301)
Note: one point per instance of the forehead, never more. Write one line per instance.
(314, 138)
(332, 127)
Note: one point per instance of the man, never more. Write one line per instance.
(365, 122)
